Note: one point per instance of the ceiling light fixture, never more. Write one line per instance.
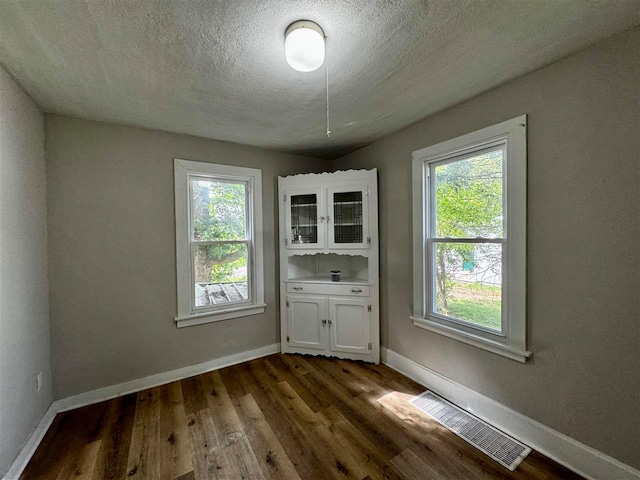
(304, 49)
(304, 46)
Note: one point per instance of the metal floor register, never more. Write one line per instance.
(489, 440)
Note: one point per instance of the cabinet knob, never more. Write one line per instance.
(356, 290)
(297, 288)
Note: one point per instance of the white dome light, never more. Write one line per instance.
(304, 46)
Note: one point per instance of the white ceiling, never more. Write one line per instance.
(217, 69)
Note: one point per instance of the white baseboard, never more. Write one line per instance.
(30, 447)
(574, 455)
(568, 452)
(114, 391)
(107, 393)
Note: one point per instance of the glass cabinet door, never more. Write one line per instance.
(348, 226)
(304, 215)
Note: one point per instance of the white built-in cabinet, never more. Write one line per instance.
(329, 221)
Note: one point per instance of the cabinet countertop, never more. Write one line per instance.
(327, 279)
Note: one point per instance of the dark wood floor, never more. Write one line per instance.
(280, 417)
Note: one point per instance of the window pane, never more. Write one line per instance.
(468, 282)
(218, 210)
(220, 273)
(304, 218)
(347, 217)
(469, 197)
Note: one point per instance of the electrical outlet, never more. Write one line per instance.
(39, 380)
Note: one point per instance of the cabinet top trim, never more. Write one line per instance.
(347, 252)
(340, 174)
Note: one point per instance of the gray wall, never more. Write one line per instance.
(24, 305)
(112, 253)
(583, 246)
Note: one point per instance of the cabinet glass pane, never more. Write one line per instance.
(304, 218)
(347, 217)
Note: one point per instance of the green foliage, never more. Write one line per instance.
(218, 214)
(468, 198)
(218, 210)
(223, 261)
(486, 314)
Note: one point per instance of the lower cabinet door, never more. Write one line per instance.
(350, 325)
(306, 318)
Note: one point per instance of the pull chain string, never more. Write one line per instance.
(328, 130)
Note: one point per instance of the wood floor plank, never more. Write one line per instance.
(112, 459)
(281, 372)
(369, 464)
(332, 370)
(219, 461)
(241, 460)
(365, 412)
(71, 430)
(176, 453)
(375, 451)
(81, 465)
(194, 398)
(293, 439)
(273, 459)
(337, 463)
(208, 456)
(369, 384)
(349, 461)
(296, 363)
(232, 378)
(278, 417)
(412, 467)
(144, 451)
(370, 416)
(364, 419)
(187, 476)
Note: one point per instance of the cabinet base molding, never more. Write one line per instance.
(373, 357)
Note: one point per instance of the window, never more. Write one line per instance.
(469, 225)
(218, 242)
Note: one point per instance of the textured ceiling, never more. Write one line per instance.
(217, 69)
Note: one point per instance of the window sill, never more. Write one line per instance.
(210, 317)
(471, 339)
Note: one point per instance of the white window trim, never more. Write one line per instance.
(512, 341)
(183, 170)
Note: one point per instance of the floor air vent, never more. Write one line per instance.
(502, 448)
